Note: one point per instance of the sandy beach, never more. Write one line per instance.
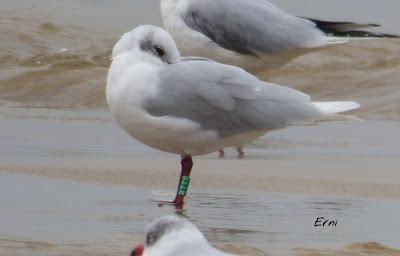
(72, 183)
(314, 160)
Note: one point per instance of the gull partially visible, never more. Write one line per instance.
(253, 34)
(196, 107)
(175, 236)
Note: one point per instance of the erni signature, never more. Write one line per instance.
(325, 222)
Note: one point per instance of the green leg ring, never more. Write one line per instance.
(183, 187)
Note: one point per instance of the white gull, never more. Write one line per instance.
(196, 107)
(253, 34)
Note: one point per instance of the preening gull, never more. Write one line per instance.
(196, 107)
(253, 34)
(175, 236)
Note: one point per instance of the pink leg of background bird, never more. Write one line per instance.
(238, 149)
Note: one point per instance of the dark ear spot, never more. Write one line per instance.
(154, 235)
(145, 44)
(160, 229)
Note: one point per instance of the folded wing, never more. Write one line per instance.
(227, 99)
(252, 27)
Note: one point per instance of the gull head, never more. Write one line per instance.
(171, 235)
(152, 43)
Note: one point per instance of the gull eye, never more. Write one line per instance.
(159, 50)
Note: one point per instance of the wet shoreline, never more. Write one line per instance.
(339, 158)
(111, 218)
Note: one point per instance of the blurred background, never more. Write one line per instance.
(55, 53)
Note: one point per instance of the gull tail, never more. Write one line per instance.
(336, 107)
(349, 29)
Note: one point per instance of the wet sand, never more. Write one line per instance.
(338, 158)
(73, 183)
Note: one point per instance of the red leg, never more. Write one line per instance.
(184, 180)
(221, 153)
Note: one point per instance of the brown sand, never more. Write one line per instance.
(275, 175)
(357, 249)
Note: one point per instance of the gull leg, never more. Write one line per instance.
(184, 180)
(240, 152)
(183, 184)
(221, 153)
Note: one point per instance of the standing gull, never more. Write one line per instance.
(175, 236)
(196, 107)
(252, 34)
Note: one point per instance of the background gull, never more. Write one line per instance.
(196, 107)
(252, 34)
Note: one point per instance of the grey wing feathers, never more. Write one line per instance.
(227, 99)
(267, 29)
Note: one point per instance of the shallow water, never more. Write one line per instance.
(49, 138)
(71, 214)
